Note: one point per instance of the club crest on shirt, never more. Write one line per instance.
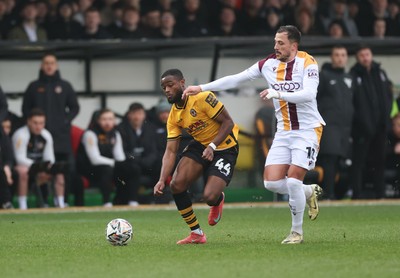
(193, 112)
(58, 90)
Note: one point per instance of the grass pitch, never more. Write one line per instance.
(345, 241)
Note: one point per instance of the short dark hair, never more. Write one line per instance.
(294, 35)
(338, 46)
(362, 47)
(174, 72)
(36, 112)
(135, 106)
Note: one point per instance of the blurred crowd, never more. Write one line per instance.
(42, 20)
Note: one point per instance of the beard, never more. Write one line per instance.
(177, 98)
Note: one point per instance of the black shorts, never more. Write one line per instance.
(221, 166)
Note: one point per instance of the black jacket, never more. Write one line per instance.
(335, 103)
(58, 100)
(372, 100)
(139, 149)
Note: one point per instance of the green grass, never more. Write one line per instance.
(346, 241)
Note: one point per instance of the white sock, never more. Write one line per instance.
(107, 205)
(198, 231)
(279, 186)
(307, 190)
(297, 202)
(22, 202)
(60, 200)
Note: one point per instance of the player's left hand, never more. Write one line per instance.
(269, 93)
(208, 154)
(191, 90)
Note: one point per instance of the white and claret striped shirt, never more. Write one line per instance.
(297, 81)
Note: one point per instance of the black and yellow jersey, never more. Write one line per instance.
(197, 116)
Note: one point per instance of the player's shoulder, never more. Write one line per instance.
(270, 57)
(46, 134)
(308, 59)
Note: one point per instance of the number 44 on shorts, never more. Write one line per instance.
(224, 168)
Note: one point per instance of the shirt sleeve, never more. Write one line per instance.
(118, 150)
(310, 87)
(173, 130)
(20, 141)
(48, 152)
(233, 81)
(90, 143)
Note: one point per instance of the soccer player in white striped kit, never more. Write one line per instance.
(292, 76)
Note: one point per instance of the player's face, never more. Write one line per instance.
(107, 121)
(339, 57)
(284, 49)
(137, 117)
(36, 124)
(173, 88)
(364, 57)
(49, 65)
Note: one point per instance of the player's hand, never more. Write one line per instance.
(270, 93)
(191, 90)
(208, 154)
(158, 188)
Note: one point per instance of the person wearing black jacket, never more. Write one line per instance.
(139, 138)
(58, 100)
(6, 158)
(335, 103)
(371, 122)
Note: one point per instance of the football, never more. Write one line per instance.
(119, 232)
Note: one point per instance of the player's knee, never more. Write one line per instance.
(274, 186)
(210, 198)
(176, 187)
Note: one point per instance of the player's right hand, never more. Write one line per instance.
(191, 90)
(158, 188)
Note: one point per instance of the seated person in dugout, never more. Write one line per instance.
(99, 152)
(34, 154)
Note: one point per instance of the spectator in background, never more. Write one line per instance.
(6, 157)
(167, 29)
(393, 20)
(3, 23)
(106, 11)
(305, 19)
(130, 28)
(339, 13)
(117, 13)
(371, 121)
(58, 100)
(336, 30)
(273, 21)
(192, 21)
(393, 154)
(10, 17)
(34, 154)
(140, 146)
(133, 3)
(83, 6)
(64, 28)
(93, 30)
(43, 18)
(28, 30)
(151, 21)
(335, 103)
(251, 19)
(99, 152)
(379, 28)
(228, 25)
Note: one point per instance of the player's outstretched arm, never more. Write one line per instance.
(168, 164)
(191, 90)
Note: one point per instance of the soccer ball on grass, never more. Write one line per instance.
(119, 232)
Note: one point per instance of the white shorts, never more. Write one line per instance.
(297, 147)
